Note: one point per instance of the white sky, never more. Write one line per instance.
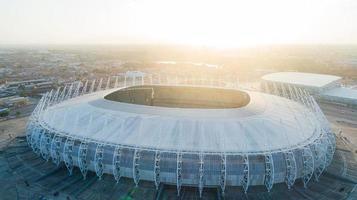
(194, 22)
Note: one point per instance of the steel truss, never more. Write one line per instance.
(91, 89)
(69, 92)
(157, 169)
(116, 163)
(136, 170)
(76, 92)
(329, 149)
(68, 154)
(55, 97)
(201, 174)
(179, 172)
(269, 171)
(319, 158)
(56, 150)
(35, 139)
(290, 168)
(84, 89)
(45, 145)
(82, 158)
(29, 130)
(223, 174)
(98, 161)
(48, 143)
(245, 179)
(308, 165)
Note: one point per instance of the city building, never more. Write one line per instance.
(324, 87)
(313, 83)
(14, 101)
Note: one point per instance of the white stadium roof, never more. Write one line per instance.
(266, 123)
(302, 79)
(346, 93)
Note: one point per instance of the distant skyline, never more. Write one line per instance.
(217, 23)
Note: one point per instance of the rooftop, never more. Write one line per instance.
(346, 93)
(303, 79)
(259, 126)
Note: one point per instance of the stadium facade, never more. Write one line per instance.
(184, 132)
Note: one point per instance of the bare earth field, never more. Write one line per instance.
(9, 129)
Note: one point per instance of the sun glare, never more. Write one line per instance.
(222, 23)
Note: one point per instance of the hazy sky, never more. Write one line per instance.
(199, 22)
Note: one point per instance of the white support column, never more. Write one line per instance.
(290, 168)
(269, 171)
(84, 89)
(69, 92)
(308, 165)
(55, 96)
(56, 150)
(116, 163)
(223, 175)
(99, 87)
(201, 173)
(297, 94)
(142, 79)
(178, 172)
(157, 169)
(245, 179)
(43, 103)
(303, 98)
(275, 89)
(62, 96)
(76, 91)
(283, 90)
(136, 171)
(292, 95)
(82, 158)
(98, 161)
(68, 154)
(49, 98)
(116, 84)
(108, 83)
(91, 89)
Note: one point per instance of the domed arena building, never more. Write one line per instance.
(184, 132)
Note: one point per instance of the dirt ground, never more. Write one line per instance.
(9, 129)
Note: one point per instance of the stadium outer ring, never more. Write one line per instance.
(201, 169)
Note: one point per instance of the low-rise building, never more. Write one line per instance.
(14, 101)
(324, 87)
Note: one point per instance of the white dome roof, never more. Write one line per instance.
(266, 123)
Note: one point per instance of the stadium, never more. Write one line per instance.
(184, 132)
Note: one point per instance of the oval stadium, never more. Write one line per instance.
(184, 133)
